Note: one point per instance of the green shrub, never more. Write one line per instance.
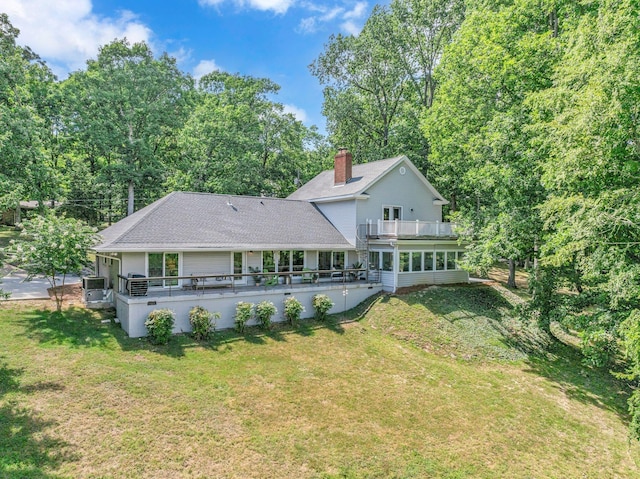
(159, 325)
(321, 304)
(598, 347)
(265, 310)
(244, 312)
(292, 310)
(202, 322)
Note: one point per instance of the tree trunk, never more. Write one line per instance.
(18, 216)
(535, 258)
(511, 282)
(130, 200)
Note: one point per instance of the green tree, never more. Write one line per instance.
(126, 109)
(588, 123)
(379, 82)
(25, 84)
(54, 247)
(482, 155)
(237, 140)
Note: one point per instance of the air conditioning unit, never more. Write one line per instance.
(94, 295)
(93, 282)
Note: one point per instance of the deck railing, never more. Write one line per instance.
(400, 228)
(138, 285)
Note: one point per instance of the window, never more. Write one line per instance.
(324, 260)
(328, 260)
(451, 260)
(440, 260)
(338, 260)
(374, 260)
(297, 260)
(416, 261)
(387, 261)
(163, 264)
(390, 213)
(428, 261)
(237, 263)
(404, 262)
(284, 261)
(460, 259)
(268, 265)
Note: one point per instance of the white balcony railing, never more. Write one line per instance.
(399, 228)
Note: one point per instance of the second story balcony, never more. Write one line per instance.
(407, 229)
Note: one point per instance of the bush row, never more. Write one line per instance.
(160, 322)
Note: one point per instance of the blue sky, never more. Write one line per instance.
(277, 39)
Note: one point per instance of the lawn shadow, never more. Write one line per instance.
(174, 348)
(75, 327)
(563, 365)
(305, 328)
(27, 449)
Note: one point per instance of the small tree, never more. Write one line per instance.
(244, 312)
(292, 310)
(322, 304)
(202, 322)
(265, 310)
(54, 247)
(159, 325)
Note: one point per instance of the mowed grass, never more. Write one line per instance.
(439, 383)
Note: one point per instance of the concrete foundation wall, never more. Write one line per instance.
(133, 312)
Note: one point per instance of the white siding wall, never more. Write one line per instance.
(342, 215)
(212, 262)
(133, 312)
(133, 263)
(432, 277)
(405, 190)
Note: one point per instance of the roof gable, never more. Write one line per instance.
(364, 176)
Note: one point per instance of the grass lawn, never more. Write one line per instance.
(437, 383)
(7, 233)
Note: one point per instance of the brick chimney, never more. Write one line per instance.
(342, 166)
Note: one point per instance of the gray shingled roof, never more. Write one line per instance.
(193, 221)
(363, 176)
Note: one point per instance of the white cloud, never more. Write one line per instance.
(346, 18)
(299, 113)
(204, 67)
(66, 32)
(331, 14)
(307, 25)
(357, 12)
(351, 28)
(277, 6)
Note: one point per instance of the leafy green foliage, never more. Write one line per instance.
(293, 308)
(127, 108)
(203, 322)
(264, 311)
(379, 82)
(321, 305)
(53, 246)
(599, 347)
(238, 141)
(25, 116)
(244, 313)
(159, 325)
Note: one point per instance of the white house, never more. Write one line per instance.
(349, 233)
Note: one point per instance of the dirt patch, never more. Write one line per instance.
(72, 292)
